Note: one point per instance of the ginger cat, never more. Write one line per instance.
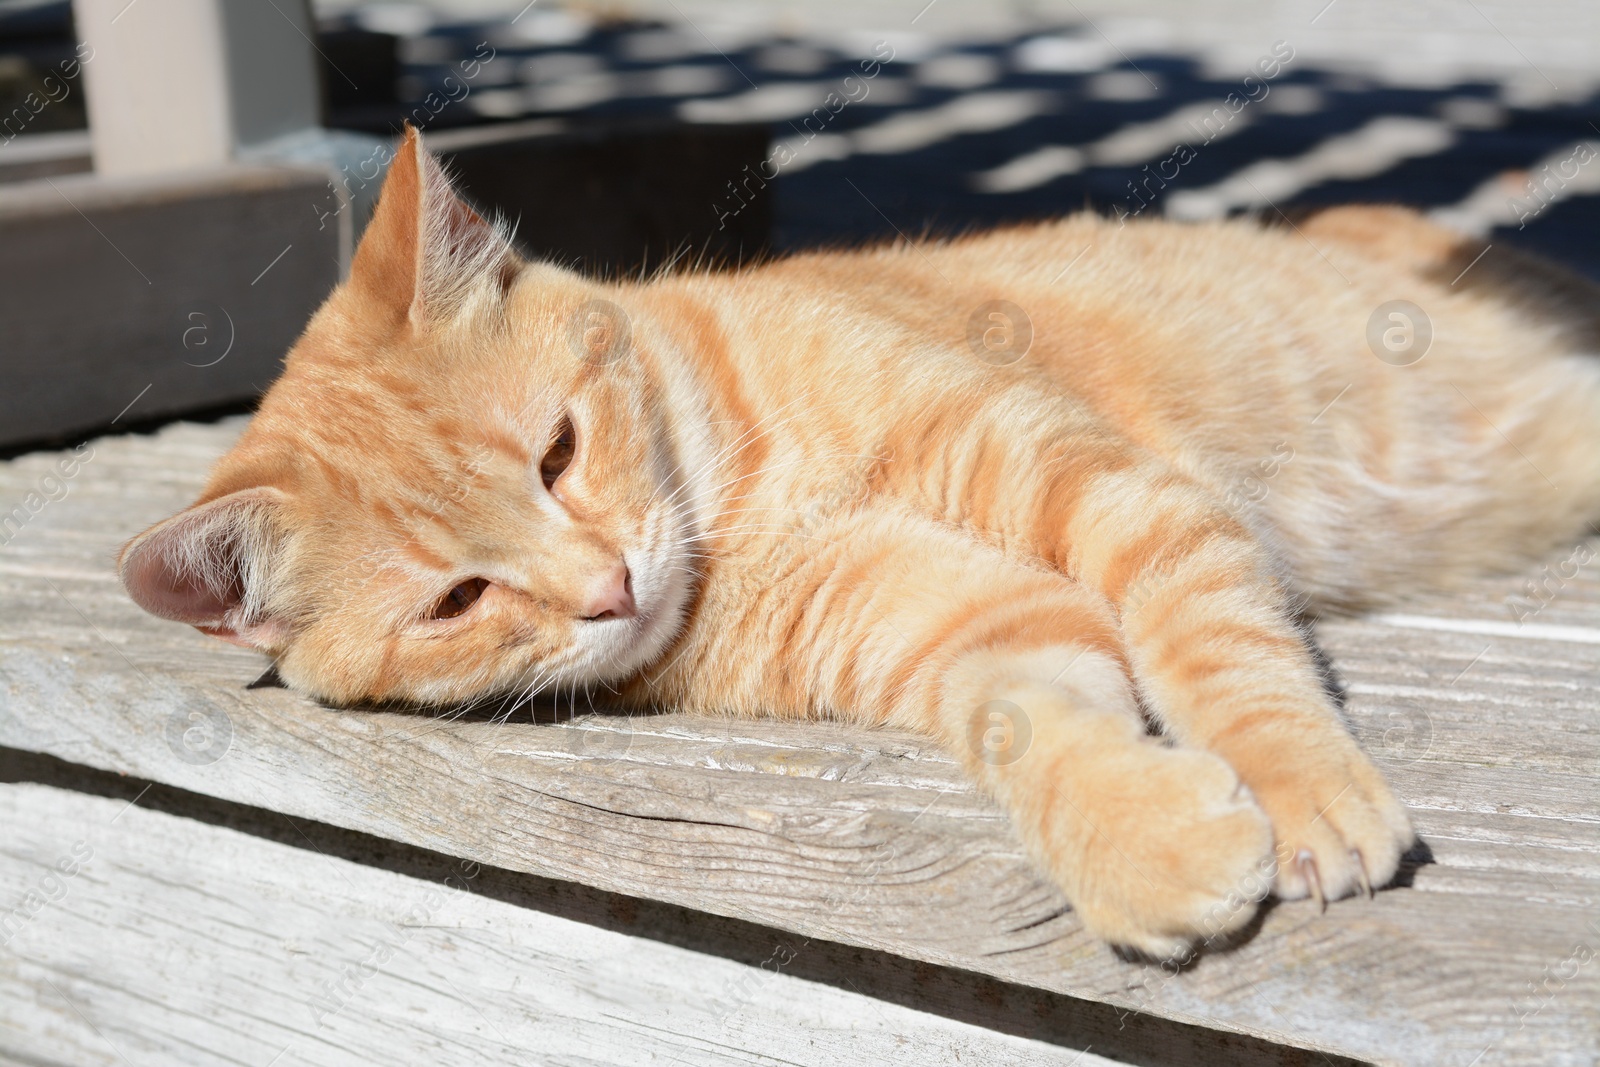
(1027, 508)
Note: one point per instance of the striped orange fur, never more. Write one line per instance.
(822, 488)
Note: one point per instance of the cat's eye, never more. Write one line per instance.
(459, 600)
(559, 456)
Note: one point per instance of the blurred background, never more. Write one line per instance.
(155, 155)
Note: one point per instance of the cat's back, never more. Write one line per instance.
(1347, 340)
(1080, 284)
(1163, 327)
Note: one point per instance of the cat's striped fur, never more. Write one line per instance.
(830, 504)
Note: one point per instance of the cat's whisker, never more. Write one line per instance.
(810, 460)
(738, 526)
(727, 452)
(531, 690)
(748, 437)
(450, 714)
(769, 529)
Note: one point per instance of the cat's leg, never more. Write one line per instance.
(1157, 847)
(1220, 661)
(1020, 672)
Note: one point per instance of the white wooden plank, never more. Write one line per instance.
(152, 939)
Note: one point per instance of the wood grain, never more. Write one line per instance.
(872, 838)
(176, 942)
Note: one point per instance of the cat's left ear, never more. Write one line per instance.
(426, 253)
(209, 567)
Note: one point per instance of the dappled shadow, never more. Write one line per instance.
(1036, 125)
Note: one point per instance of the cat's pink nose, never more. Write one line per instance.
(611, 597)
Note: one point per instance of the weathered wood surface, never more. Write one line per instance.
(873, 838)
(157, 940)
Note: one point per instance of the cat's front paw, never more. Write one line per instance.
(1339, 829)
(1172, 850)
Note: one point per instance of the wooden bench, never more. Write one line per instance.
(198, 869)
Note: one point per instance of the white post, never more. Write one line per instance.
(178, 84)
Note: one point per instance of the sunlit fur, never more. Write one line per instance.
(830, 507)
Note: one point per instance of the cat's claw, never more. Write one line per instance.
(1333, 815)
(1361, 874)
(1307, 862)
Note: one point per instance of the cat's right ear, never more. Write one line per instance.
(426, 252)
(209, 567)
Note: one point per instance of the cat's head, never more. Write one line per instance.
(463, 484)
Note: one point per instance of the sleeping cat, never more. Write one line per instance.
(1036, 493)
